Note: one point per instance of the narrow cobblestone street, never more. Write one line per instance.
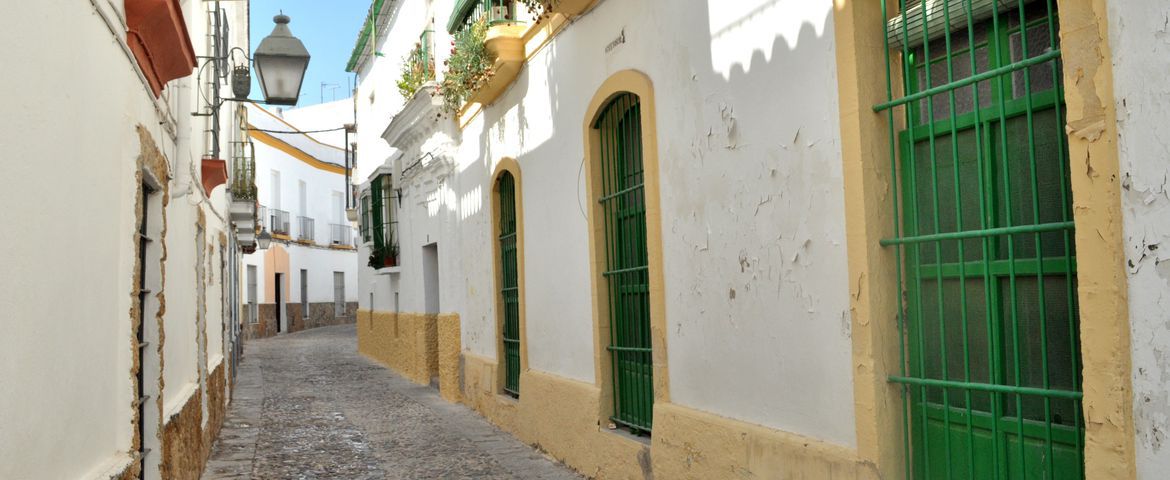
(307, 406)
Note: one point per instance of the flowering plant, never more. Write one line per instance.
(418, 67)
(468, 68)
(539, 8)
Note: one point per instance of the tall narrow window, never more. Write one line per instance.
(141, 397)
(383, 224)
(509, 283)
(251, 312)
(627, 267)
(338, 294)
(366, 219)
(984, 230)
(304, 293)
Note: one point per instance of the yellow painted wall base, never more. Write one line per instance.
(405, 342)
(560, 415)
(482, 392)
(448, 356)
(693, 444)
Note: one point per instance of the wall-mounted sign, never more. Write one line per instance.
(621, 39)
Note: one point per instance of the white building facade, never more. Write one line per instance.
(702, 239)
(307, 277)
(118, 285)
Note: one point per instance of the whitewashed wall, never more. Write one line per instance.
(752, 202)
(324, 116)
(67, 382)
(377, 101)
(1141, 59)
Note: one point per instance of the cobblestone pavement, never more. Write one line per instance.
(307, 406)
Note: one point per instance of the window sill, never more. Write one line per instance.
(627, 436)
(388, 270)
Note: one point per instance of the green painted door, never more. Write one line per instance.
(627, 272)
(991, 373)
(509, 283)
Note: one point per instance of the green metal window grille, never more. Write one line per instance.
(366, 220)
(467, 12)
(990, 372)
(509, 283)
(383, 221)
(627, 268)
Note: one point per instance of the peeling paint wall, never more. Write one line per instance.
(752, 204)
(1140, 38)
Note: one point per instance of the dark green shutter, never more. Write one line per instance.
(509, 283)
(990, 377)
(627, 272)
(377, 198)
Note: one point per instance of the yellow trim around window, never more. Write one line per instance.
(509, 165)
(639, 84)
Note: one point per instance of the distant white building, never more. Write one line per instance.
(308, 275)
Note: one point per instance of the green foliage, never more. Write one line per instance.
(379, 255)
(468, 68)
(418, 67)
(538, 8)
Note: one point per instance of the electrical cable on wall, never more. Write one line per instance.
(295, 131)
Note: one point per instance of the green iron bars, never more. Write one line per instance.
(383, 223)
(509, 283)
(990, 371)
(622, 199)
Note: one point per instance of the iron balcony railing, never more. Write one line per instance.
(278, 221)
(467, 12)
(305, 228)
(243, 185)
(422, 58)
(262, 215)
(341, 235)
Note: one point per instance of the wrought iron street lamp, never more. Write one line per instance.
(281, 61)
(263, 239)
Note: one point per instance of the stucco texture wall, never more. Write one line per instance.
(407, 343)
(753, 241)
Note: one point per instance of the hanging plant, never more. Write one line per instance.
(539, 8)
(418, 67)
(468, 68)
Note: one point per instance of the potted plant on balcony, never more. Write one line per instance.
(391, 259)
(376, 255)
(418, 68)
(383, 256)
(468, 68)
(541, 9)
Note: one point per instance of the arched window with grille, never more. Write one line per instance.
(622, 198)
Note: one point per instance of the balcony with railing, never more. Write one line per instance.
(243, 182)
(305, 229)
(242, 189)
(278, 221)
(341, 235)
(488, 53)
(493, 12)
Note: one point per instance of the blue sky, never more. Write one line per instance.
(328, 28)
